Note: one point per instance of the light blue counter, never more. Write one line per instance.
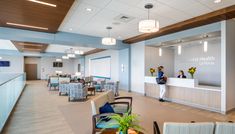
(11, 87)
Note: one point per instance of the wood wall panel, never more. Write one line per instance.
(216, 16)
(210, 100)
(30, 13)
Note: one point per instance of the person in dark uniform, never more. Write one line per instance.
(181, 74)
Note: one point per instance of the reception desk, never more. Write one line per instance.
(187, 92)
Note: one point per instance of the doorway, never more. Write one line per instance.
(31, 71)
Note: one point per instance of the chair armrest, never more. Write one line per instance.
(156, 128)
(125, 97)
(121, 102)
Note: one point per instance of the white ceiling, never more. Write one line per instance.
(54, 48)
(62, 48)
(7, 45)
(104, 11)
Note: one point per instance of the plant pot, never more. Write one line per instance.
(121, 132)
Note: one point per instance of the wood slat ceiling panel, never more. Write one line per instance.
(94, 51)
(216, 16)
(30, 13)
(29, 46)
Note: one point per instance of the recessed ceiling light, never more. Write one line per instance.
(119, 37)
(217, 1)
(28, 26)
(44, 3)
(0, 58)
(88, 9)
(70, 29)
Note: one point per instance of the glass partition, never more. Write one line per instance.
(10, 91)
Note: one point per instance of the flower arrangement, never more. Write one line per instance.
(191, 71)
(152, 70)
(128, 123)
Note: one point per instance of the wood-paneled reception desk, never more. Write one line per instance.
(187, 92)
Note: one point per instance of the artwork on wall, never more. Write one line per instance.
(57, 64)
(4, 63)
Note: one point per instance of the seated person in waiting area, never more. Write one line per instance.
(181, 74)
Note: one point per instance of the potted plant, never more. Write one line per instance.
(152, 70)
(127, 123)
(191, 71)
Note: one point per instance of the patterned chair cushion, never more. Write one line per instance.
(107, 124)
(76, 91)
(63, 88)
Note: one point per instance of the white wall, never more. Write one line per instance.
(34, 61)
(137, 67)
(124, 74)
(80, 61)
(47, 67)
(153, 60)
(228, 69)
(114, 62)
(16, 64)
(208, 63)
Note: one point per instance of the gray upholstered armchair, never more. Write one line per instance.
(77, 92)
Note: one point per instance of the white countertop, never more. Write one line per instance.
(180, 82)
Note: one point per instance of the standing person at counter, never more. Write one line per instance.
(161, 80)
(181, 74)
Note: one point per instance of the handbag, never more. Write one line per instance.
(161, 80)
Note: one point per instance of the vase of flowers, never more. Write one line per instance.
(191, 71)
(128, 123)
(152, 70)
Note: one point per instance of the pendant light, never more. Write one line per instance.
(149, 25)
(108, 40)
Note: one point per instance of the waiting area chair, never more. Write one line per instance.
(114, 86)
(196, 128)
(225, 128)
(119, 107)
(53, 82)
(77, 91)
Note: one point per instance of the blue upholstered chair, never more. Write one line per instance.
(99, 86)
(53, 82)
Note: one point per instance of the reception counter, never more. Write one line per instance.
(187, 92)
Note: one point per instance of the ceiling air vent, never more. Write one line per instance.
(123, 18)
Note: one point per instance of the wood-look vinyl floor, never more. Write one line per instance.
(40, 111)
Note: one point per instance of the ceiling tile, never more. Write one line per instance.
(168, 12)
